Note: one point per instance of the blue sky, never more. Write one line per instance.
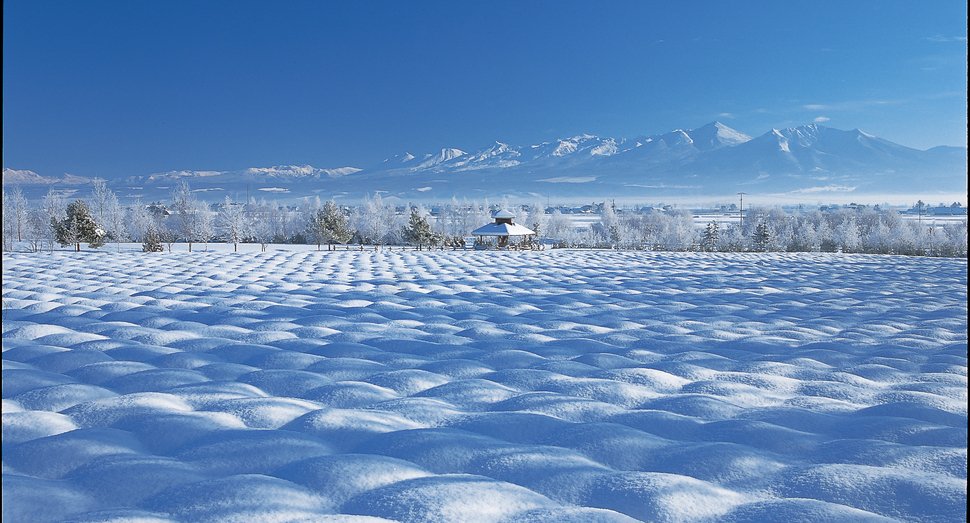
(127, 88)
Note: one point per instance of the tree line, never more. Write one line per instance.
(101, 219)
(763, 229)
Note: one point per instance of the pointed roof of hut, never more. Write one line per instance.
(503, 226)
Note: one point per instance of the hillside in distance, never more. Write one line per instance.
(810, 163)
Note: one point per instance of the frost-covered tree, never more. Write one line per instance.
(261, 223)
(537, 219)
(19, 211)
(450, 219)
(233, 223)
(316, 230)
(167, 233)
(608, 227)
(38, 230)
(559, 226)
(335, 222)
(280, 222)
(185, 212)
(956, 239)
(205, 223)
(101, 197)
(51, 211)
(79, 226)
(847, 235)
(115, 220)
(139, 220)
(373, 220)
(731, 238)
(677, 231)
(9, 226)
(805, 237)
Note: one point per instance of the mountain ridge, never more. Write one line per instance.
(712, 159)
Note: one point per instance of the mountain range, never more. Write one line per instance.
(812, 162)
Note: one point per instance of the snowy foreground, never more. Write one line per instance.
(567, 386)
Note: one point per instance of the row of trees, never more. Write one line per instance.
(101, 218)
(852, 230)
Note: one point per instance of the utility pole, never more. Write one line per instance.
(741, 213)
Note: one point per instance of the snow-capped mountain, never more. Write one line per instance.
(712, 160)
(716, 135)
(279, 172)
(28, 177)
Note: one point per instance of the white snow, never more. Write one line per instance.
(367, 386)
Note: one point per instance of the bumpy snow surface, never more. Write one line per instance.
(566, 386)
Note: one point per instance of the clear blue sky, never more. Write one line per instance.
(129, 88)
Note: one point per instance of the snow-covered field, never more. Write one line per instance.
(567, 386)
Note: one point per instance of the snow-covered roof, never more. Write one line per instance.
(503, 214)
(502, 229)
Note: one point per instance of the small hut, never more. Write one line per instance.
(503, 228)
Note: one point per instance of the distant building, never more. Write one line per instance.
(955, 209)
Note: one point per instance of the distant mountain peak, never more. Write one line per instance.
(711, 159)
(28, 177)
(716, 135)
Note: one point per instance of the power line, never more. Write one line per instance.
(741, 213)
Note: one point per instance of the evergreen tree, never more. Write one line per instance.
(417, 231)
(762, 237)
(328, 225)
(615, 237)
(152, 241)
(335, 223)
(711, 237)
(79, 226)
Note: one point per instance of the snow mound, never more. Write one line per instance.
(367, 386)
(447, 498)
